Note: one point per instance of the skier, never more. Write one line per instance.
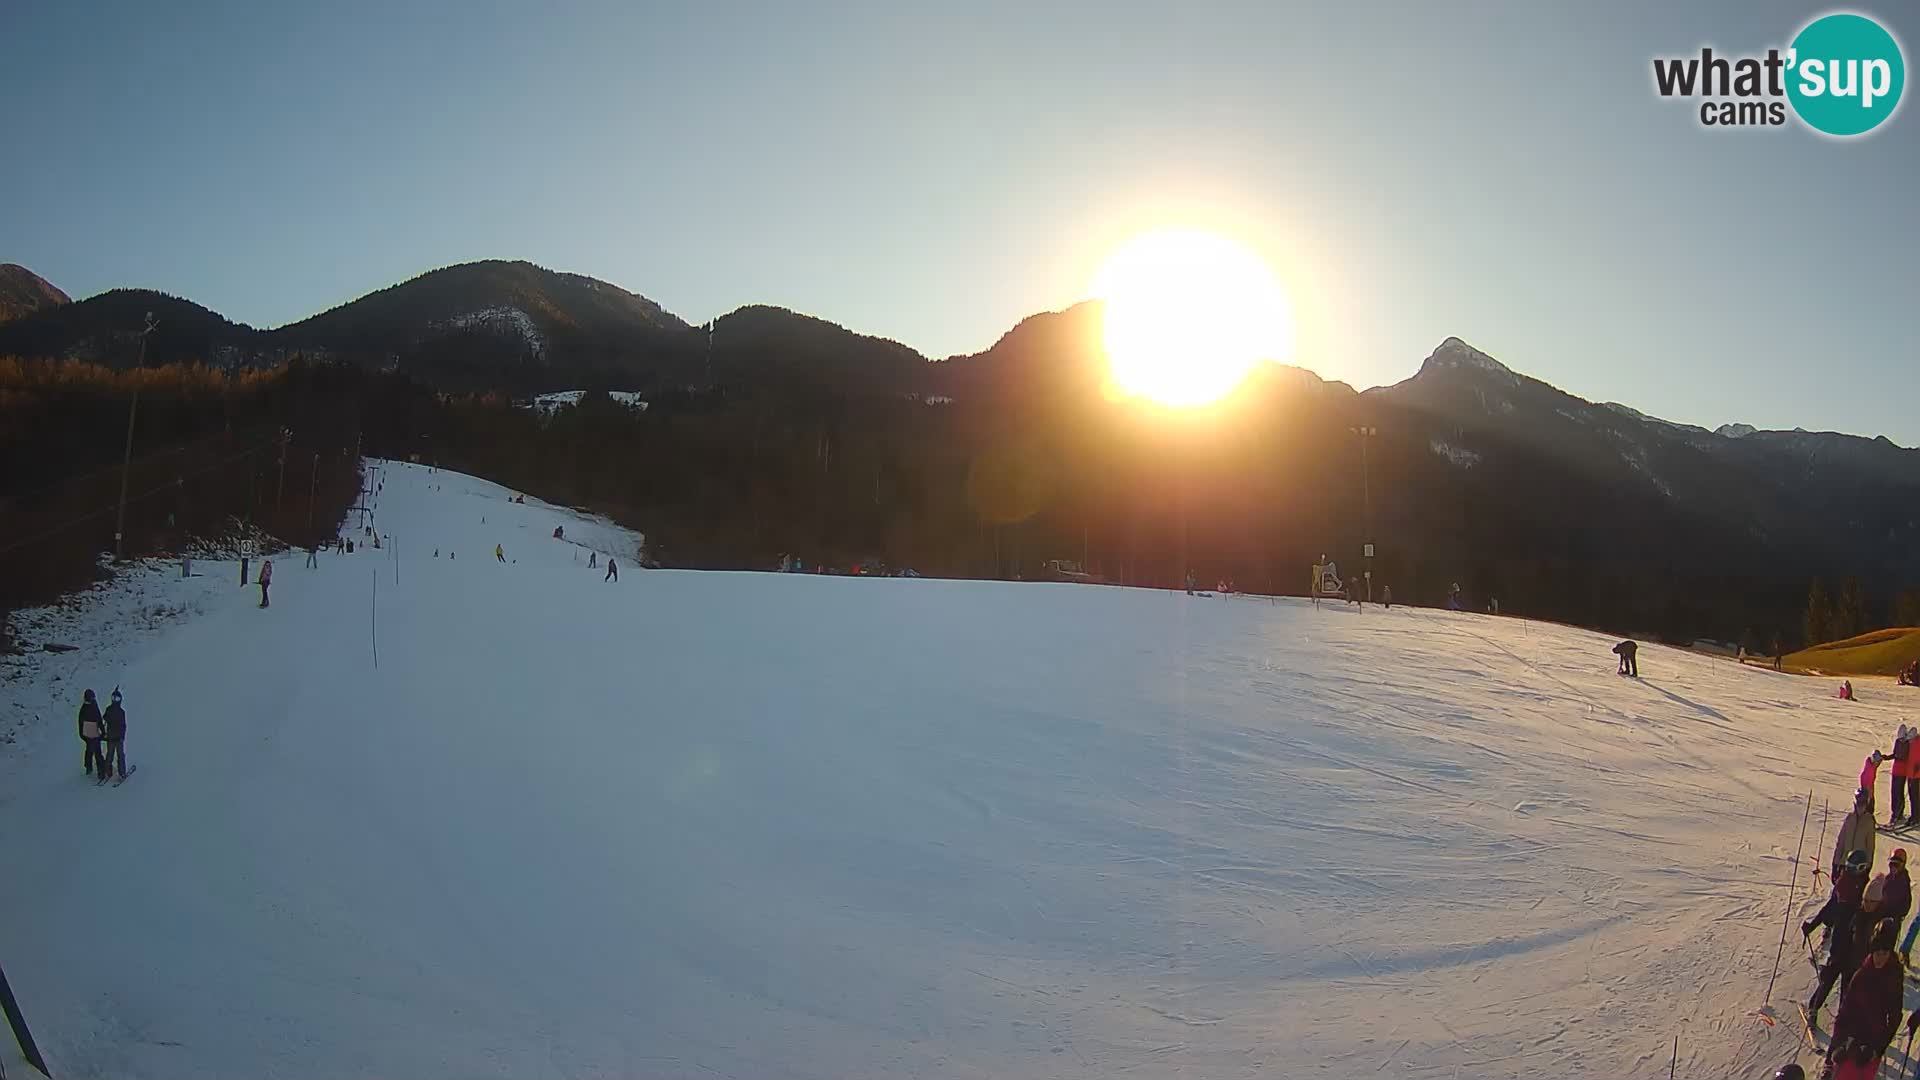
(266, 578)
(1386, 597)
(1870, 770)
(613, 571)
(499, 553)
(593, 561)
(1912, 780)
(1849, 947)
(115, 722)
(90, 732)
(1857, 832)
(313, 556)
(1869, 1013)
(1849, 882)
(1628, 652)
(1902, 770)
(1899, 897)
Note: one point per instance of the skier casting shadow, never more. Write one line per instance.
(1629, 662)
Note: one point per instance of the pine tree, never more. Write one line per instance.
(1850, 613)
(1906, 608)
(1818, 625)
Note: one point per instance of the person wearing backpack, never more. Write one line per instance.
(90, 732)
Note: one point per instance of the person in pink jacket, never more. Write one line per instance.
(1870, 771)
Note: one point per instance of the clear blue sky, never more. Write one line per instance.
(1502, 172)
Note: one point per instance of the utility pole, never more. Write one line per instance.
(280, 493)
(312, 486)
(1366, 435)
(126, 460)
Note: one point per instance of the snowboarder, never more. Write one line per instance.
(266, 578)
(1869, 1013)
(313, 556)
(1628, 652)
(1849, 882)
(559, 532)
(1901, 757)
(1846, 689)
(1857, 831)
(115, 722)
(499, 553)
(613, 571)
(1849, 947)
(90, 732)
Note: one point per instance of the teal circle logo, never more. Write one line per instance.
(1845, 74)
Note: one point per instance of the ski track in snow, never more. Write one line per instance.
(758, 825)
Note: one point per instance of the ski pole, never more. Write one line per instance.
(1909, 1050)
(1826, 804)
(1787, 915)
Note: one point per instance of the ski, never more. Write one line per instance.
(131, 769)
(1812, 1033)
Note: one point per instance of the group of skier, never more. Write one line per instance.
(104, 736)
(1866, 955)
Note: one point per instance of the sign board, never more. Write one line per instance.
(1367, 550)
(247, 550)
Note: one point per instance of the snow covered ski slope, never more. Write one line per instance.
(767, 826)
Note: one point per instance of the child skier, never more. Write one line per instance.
(1849, 884)
(1851, 943)
(114, 721)
(90, 732)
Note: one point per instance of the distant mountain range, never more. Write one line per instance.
(23, 292)
(1542, 481)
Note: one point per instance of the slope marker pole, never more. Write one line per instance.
(1787, 915)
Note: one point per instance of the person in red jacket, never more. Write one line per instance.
(1913, 776)
(1869, 1013)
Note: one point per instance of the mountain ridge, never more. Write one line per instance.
(455, 323)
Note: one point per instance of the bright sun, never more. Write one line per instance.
(1189, 314)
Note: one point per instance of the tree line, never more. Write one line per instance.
(995, 480)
